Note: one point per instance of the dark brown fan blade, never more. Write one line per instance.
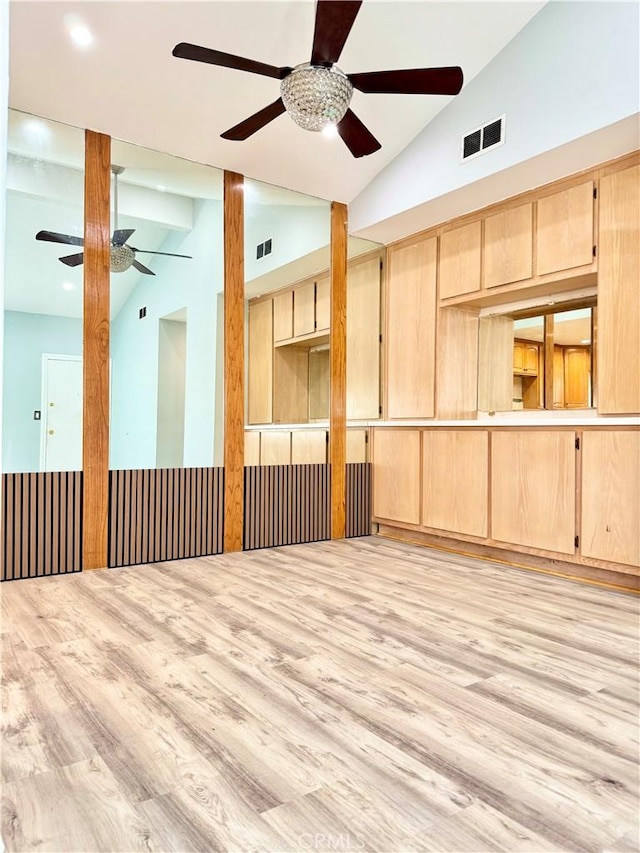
(73, 260)
(334, 19)
(356, 137)
(255, 122)
(141, 268)
(52, 237)
(166, 254)
(412, 81)
(228, 60)
(121, 236)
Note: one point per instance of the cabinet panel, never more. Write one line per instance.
(396, 475)
(410, 336)
(611, 496)
(533, 489)
(290, 385)
(564, 237)
(275, 447)
(283, 316)
(508, 246)
(260, 362)
(319, 385)
(304, 310)
(363, 340)
(308, 446)
(577, 362)
(460, 260)
(619, 294)
(455, 485)
(356, 445)
(323, 307)
(457, 365)
(252, 447)
(495, 372)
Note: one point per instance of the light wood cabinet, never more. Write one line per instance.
(356, 445)
(508, 246)
(564, 233)
(290, 385)
(283, 316)
(396, 475)
(308, 446)
(618, 348)
(323, 306)
(410, 330)
(260, 362)
(304, 309)
(459, 266)
(611, 496)
(252, 447)
(495, 371)
(363, 340)
(455, 467)
(577, 369)
(457, 363)
(275, 447)
(319, 384)
(533, 487)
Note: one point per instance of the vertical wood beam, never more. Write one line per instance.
(95, 349)
(338, 368)
(233, 360)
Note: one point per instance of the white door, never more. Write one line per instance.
(61, 444)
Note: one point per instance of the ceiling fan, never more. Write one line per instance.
(122, 256)
(317, 93)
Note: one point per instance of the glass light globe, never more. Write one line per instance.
(315, 96)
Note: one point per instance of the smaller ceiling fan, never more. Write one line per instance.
(317, 93)
(122, 256)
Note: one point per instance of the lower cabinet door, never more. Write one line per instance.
(396, 475)
(533, 485)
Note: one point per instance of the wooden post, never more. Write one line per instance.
(546, 375)
(233, 360)
(95, 349)
(338, 368)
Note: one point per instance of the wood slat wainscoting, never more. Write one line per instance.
(358, 505)
(41, 524)
(286, 505)
(165, 514)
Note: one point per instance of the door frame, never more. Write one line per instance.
(44, 408)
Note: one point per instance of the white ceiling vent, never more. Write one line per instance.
(483, 138)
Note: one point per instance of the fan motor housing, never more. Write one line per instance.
(316, 96)
(121, 258)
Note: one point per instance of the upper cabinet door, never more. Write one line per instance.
(363, 340)
(283, 316)
(304, 309)
(411, 325)
(460, 260)
(508, 246)
(564, 234)
(261, 362)
(323, 312)
(619, 294)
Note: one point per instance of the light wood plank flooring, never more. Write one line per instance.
(353, 695)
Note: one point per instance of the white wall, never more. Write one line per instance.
(178, 283)
(573, 70)
(4, 107)
(26, 338)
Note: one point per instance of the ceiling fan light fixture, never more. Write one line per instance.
(316, 96)
(121, 258)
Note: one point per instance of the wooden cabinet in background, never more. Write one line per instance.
(363, 339)
(308, 446)
(260, 362)
(459, 266)
(564, 234)
(283, 316)
(508, 246)
(577, 370)
(526, 357)
(410, 330)
(251, 447)
(533, 486)
(619, 294)
(455, 465)
(611, 496)
(275, 447)
(323, 307)
(304, 309)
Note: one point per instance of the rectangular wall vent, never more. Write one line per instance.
(263, 249)
(483, 138)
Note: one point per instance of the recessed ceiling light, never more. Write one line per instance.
(81, 35)
(67, 285)
(330, 131)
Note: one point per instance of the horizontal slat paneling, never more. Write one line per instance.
(286, 505)
(358, 508)
(41, 524)
(165, 514)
